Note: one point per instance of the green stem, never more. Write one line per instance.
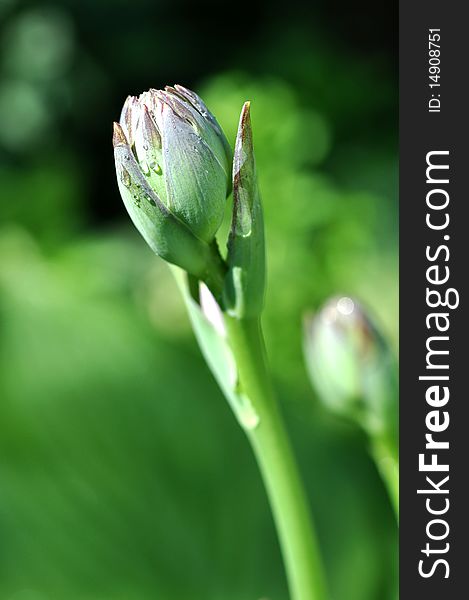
(387, 463)
(215, 273)
(277, 464)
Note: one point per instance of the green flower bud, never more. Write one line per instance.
(351, 366)
(245, 282)
(173, 163)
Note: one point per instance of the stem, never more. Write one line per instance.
(388, 465)
(277, 464)
(216, 270)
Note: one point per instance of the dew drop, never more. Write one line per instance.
(145, 167)
(156, 168)
(345, 306)
(125, 178)
(137, 200)
(247, 416)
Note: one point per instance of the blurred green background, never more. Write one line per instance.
(123, 475)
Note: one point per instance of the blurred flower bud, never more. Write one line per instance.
(351, 366)
(173, 162)
(245, 283)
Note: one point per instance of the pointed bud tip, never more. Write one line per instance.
(118, 136)
(245, 123)
(244, 136)
(184, 92)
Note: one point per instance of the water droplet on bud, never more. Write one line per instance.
(248, 417)
(156, 168)
(125, 178)
(145, 167)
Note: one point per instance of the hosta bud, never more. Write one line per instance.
(351, 366)
(173, 165)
